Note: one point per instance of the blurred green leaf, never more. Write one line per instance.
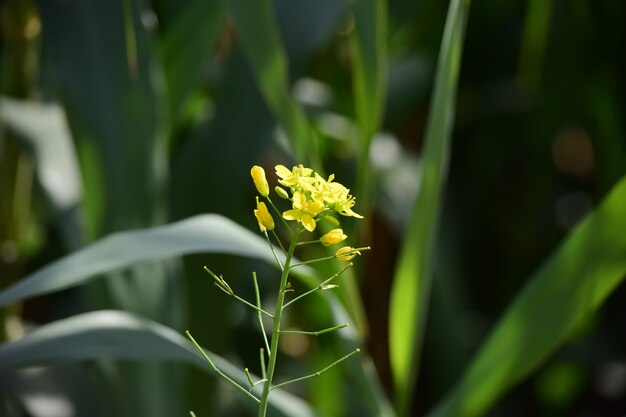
(258, 30)
(187, 46)
(122, 335)
(368, 43)
(534, 41)
(103, 65)
(44, 130)
(115, 106)
(411, 285)
(571, 284)
(204, 233)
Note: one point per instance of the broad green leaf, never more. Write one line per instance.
(257, 28)
(44, 130)
(122, 335)
(411, 285)
(561, 295)
(204, 233)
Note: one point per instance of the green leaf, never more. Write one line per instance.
(368, 43)
(258, 31)
(204, 233)
(561, 295)
(122, 335)
(187, 46)
(115, 104)
(44, 130)
(411, 286)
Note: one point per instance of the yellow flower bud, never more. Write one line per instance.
(258, 175)
(333, 237)
(346, 253)
(266, 222)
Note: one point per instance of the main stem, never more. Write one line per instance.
(276, 327)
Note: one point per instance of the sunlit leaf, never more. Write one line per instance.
(569, 286)
(411, 286)
(368, 43)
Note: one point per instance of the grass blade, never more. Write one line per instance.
(411, 287)
(369, 57)
(574, 281)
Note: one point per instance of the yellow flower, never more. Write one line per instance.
(335, 196)
(263, 216)
(346, 253)
(299, 177)
(344, 207)
(333, 237)
(258, 176)
(304, 211)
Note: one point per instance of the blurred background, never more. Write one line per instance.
(129, 114)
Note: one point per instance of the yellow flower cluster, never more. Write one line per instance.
(313, 196)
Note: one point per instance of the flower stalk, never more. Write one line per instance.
(313, 199)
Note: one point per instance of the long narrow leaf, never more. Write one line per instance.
(411, 287)
(122, 335)
(258, 30)
(204, 233)
(573, 282)
(368, 44)
(369, 56)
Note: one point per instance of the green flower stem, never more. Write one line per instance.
(223, 285)
(325, 258)
(222, 374)
(258, 309)
(258, 304)
(279, 214)
(192, 414)
(308, 242)
(272, 249)
(252, 383)
(273, 353)
(279, 242)
(318, 373)
(262, 360)
(317, 333)
(319, 287)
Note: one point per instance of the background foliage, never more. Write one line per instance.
(485, 145)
